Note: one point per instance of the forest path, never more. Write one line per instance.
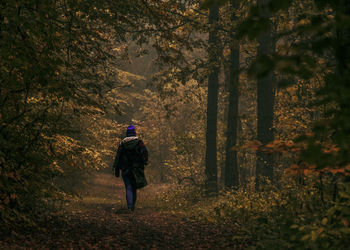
(100, 221)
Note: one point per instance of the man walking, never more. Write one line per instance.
(131, 158)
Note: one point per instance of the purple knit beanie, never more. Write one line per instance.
(130, 131)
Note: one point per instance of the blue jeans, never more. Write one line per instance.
(130, 188)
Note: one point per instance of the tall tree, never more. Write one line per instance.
(231, 164)
(265, 98)
(212, 104)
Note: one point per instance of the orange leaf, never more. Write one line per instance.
(13, 197)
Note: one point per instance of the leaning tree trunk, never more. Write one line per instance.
(265, 99)
(212, 105)
(231, 163)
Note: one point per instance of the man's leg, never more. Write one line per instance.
(129, 190)
(134, 196)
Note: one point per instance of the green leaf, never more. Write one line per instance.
(252, 27)
(276, 5)
(207, 4)
(286, 82)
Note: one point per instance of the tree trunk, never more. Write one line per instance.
(212, 105)
(226, 65)
(231, 164)
(265, 100)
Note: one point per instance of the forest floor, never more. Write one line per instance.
(100, 221)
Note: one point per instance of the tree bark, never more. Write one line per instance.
(231, 163)
(265, 100)
(212, 104)
(226, 65)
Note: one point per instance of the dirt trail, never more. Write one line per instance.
(100, 221)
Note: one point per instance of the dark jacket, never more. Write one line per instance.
(131, 156)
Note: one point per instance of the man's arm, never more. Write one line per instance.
(144, 152)
(117, 161)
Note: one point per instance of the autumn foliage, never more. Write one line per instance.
(74, 74)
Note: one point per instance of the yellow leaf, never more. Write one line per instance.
(345, 222)
(305, 237)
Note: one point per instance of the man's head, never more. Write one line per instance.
(130, 131)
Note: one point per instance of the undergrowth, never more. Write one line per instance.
(297, 213)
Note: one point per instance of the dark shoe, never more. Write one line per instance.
(123, 211)
(129, 211)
